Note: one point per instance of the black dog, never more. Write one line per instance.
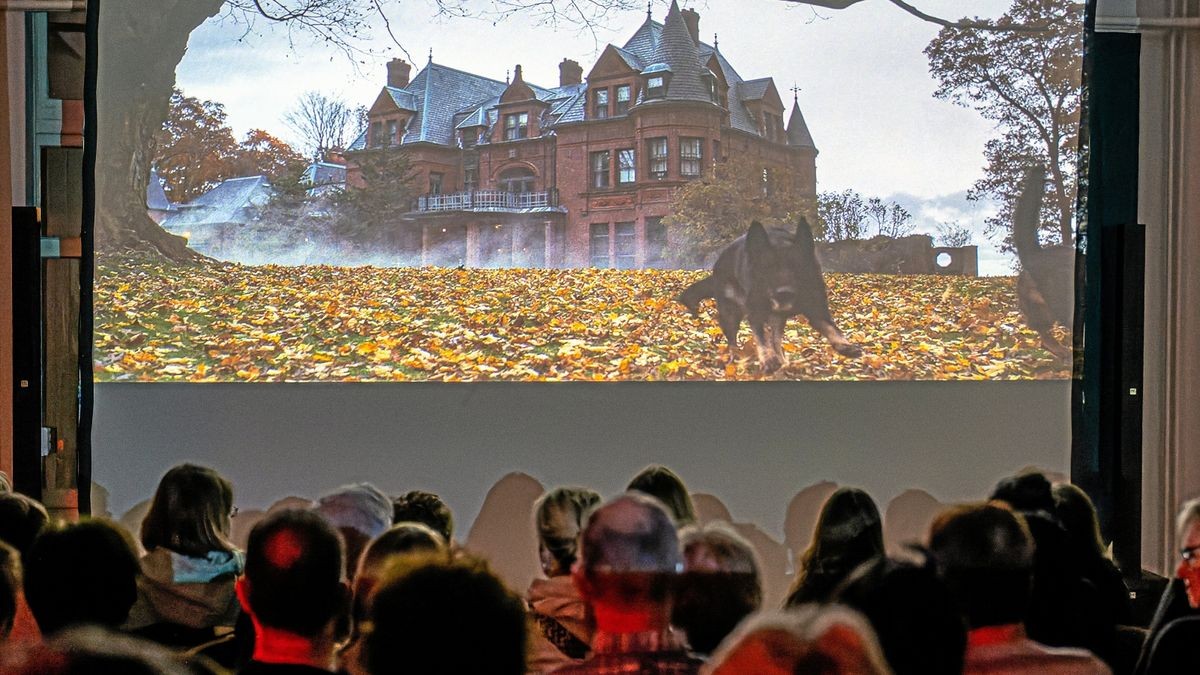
(767, 278)
(1046, 285)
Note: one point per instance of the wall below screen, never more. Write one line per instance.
(755, 445)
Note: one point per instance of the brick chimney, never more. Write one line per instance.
(692, 18)
(397, 76)
(569, 72)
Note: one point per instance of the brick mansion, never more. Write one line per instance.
(582, 174)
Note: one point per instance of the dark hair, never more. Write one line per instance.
(719, 588)
(914, 615)
(1026, 492)
(21, 519)
(84, 572)
(294, 563)
(986, 554)
(667, 487)
(190, 512)
(425, 508)
(434, 615)
(849, 533)
(10, 585)
(559, 516)
(1074, 509)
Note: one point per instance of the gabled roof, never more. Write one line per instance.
(677, 50)
(228, 202)
(403, 99)
(324, 173)
(753, 90)
(440, 91)
(156, 196)
(797, 131)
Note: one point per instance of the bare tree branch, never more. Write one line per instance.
(964, 24)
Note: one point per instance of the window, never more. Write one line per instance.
(655, 87)
(689, 156)
(626, 166)
(470, 137)
(625, 246)
(470, 179)
(658, 157)
(392, 137)
(656, 242)
(600, 108)
(716, 156)
(516, 126)
(624, 93)
(766, 182)
(598, 244)
(517, 179)
(435, 183)
(600, 164)
(375, 138)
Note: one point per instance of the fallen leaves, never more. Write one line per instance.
(224, 322)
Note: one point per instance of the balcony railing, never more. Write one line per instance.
(486, 200)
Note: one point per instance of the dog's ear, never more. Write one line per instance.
(757, 241)
(804, 235)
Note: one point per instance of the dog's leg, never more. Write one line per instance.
(840, 344)
(729, 317)
(763, 340)
(1037, 314)
(777, 324)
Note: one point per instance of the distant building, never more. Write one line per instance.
(513, 174)
(324, 177)
(214, 216)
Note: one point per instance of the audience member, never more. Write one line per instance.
(84, 572)
(720, 586)
(21, 519)
(629, 558)
(295, 592)
(812, 640)
(1074, 509)
(561, 629)
(425, 508)
(360, 512)
(1174, 649)
(664, 485)
(10, 588)
(914, 615)
(849, 533)
(987, 555)
(185, 593)
(438, 616)
(94, 650)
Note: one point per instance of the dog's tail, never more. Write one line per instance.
(1027, 211)
(697, 292)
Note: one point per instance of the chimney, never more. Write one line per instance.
(397, 76)
(692, 18)
(569, 72)
(517, 77)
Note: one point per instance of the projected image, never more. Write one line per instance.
(632, 198)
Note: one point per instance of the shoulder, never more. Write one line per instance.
(1174, 646)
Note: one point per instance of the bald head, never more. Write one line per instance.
(630, 534)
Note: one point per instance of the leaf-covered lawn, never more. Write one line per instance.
(221, 322)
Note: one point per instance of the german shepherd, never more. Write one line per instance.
(767, 278)
(1046, 284)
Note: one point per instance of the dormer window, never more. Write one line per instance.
(710, 83)
(375, 137)
(656, 86)
(600, 104)
(516, 126)
(624, 94)
(393, 137)
(470, 137)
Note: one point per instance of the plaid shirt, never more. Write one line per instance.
(650, 653)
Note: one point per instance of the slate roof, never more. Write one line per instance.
(797, 130)
(753, 90)
(676, 49)
(403, 99)
(156, 196)
(324, 173)
(232, 201)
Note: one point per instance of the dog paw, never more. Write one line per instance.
(772, 364)
(849, 350)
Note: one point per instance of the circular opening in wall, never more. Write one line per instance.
(943, 260)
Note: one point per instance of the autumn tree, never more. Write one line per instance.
(889, 219)
(711, 211)
(1028, 84)
(261, 153)
(841, 215)
(196, 149)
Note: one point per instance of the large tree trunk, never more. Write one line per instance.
(144, 40)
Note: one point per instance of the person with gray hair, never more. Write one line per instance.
(721, 585)
(360, 512)
(629, 557)
(986, 553)
(1173, 649)
(827, 639)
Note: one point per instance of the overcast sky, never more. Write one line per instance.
(865, 89)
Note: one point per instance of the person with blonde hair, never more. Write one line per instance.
(561, 628)
(821, 640)
(720, 586)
